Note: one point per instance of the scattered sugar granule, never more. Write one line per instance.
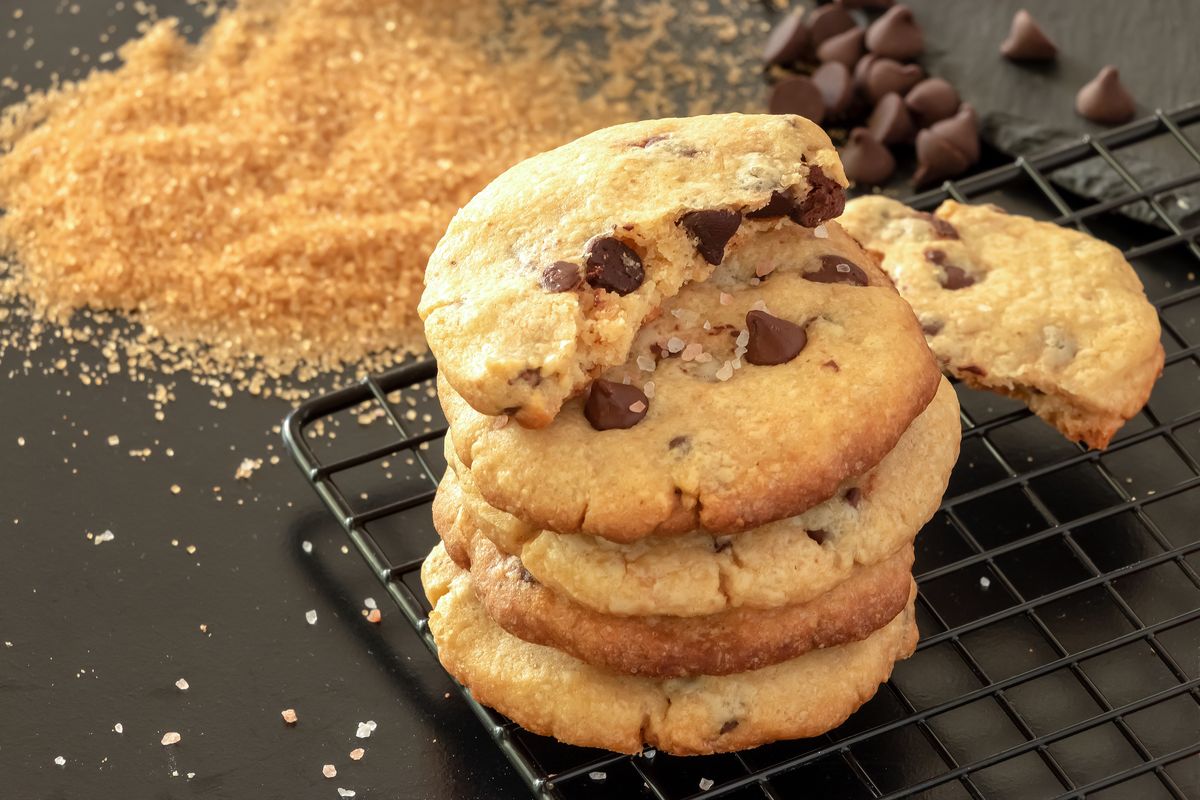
(181, 685)
(649, 752)
(726, 298)
(306, 546)
(114, 440)
(101, 538)
(357, 753)
(171, 737)
(60, 761)
(289, 716)
(706, 783)
(119, 728)
(820, 232)
(369, 602)
(365, 729)
(985, 581)
(329, 771)
(247, 468)
(648, 389)
(310, 616)
(375, 616)
(597, 775)
(345, 792)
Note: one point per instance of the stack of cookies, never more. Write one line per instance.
(693, 433)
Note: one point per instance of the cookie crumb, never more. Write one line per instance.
(374, 616)
(181, 685)
(357, 753)
(345, 792)
(306, 546)
(310, 616)
(365, 729)
(329, 771)
(170, 738)
(119, 728)
(101, 538)
(289, 716)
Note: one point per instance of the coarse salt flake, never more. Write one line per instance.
(101, 538)
(821, 232)
(329, 771)
(691, 351)
(171, 737)
(675, 344)
(705, 784)
(763, 270)
(345, 792)
(743, 338)
(310, 616)
(597, 775)
(181, 685)
(289, 716)
(646, 363)
(759, 305)
(119, 728)
(985, 581)
(648, 389)
(365, 729)
(306, 546)
(726, 298)
(60, 761)
(369, 602)
(725, 371)
(357, 753)
(637, 407)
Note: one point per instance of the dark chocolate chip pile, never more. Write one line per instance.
(857, 73)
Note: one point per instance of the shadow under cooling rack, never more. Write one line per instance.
(1059, 599)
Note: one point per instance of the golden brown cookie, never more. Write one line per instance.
(554, 694)
(750, 397)
(543, 279)
(1033, 310)
(659, 646)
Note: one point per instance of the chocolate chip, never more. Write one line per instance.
(932, 327)
(526, 576)
(531, 376)
(1027, 41)
(896, 35)
(961, 131)
(711, 231)
(887, 75)
(866, 161)
(836, 85)
(797, 95)
(772, 340)
(561, 276)
(721, 545)
(826, 199)
(681, 443)
(827, 21)
(613, 266)
(844, 48)
(941, 228)
(781, 204)
(819, 536)
(788, 40)
(937, 159)
(728, 727)
(974, 370)
(836, 269)
(952, 277)
(611, 405)
(931, 100)
(890, 122)
(854, 496)
(1105, 99)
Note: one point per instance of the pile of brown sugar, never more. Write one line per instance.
(263, 203)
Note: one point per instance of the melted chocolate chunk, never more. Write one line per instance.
(527, 577)
(711, 231)
(854, 496)
(772, 340)
(613, 266)
(952, 277)
(825, 200)
(531, 376)
(681, 443)
(721, 545)
(932, 327)
(819, 536)
(728, 727)
(561, 276)
(833, 365)
(614, 405)
(780, 205)
(942, 228)
(835, 269)
(974, 370)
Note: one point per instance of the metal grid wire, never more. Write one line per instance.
(1059, 597)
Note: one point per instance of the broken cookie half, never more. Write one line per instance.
(1029, 309)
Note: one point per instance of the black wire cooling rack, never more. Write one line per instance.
(1059, 598)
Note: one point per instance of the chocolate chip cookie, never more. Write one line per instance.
(555, 694)
(1039, 312)
(543, 279)
(790, 561)
(746, 398)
